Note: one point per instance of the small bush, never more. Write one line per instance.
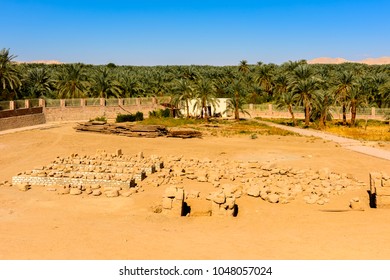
(139, 116)
(161, 113)
(100, 119)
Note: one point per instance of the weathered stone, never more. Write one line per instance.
(219, 198)
(170, 192)
(253, 191)
(23, 187)
(96, 192)
(193, 195)
(356, 204)
(230, 202)
(64, 190)
(383, 191)
(202, 179)
(111, 193)
(75, 191)
(273, 198)
(51, 189)
(167, 203)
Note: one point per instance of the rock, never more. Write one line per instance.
(193, 195)
(202, 179)
(253, 191)
(167, 203)
(127, 193)
(170, 192)
(96, 192)
(230, 202)
(75, 191)
(51, 189)
(23, 187)
(192, 176)
(219, 198)
(356, 204)
(273, 198)
(112, 193)
(64, 190)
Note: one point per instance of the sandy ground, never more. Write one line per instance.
(43, 225)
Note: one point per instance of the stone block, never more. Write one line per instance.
(219, 198)
(96, 192)
(253, 191)
(111, 193)
(383, 191)
(75, 191)
(167, 203)
(170, 192)
(383, 201)
(273, 198)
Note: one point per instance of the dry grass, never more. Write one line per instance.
(373, 130)
(219, 127)
(371, 133)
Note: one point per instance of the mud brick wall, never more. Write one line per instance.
(22, 121)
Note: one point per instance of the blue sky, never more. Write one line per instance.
(213, 32)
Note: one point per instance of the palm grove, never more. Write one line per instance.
(316, 88)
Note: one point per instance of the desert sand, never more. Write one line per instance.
(38, 224)
(338, 60)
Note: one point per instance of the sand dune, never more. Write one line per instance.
(369, 61)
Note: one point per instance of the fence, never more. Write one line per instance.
(148, 103)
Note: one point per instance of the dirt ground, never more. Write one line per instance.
(43, 225)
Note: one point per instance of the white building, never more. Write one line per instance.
(195, 111)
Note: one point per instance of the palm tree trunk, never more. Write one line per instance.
(307, 115)
(344, 114)
(292, 115)
(353, 114)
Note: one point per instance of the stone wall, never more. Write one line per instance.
(22, 121)
(91, 112)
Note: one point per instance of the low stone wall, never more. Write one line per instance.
(91, 112)
(22, 121)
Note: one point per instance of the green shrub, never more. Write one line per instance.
(161, 113)
(101, 119)
(139, 116)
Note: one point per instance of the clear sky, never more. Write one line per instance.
(213, 32)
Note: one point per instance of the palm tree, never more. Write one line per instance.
(305, 85)
(72, 81)
(264, 78)
(103, 84)
(243, 67)
(344, 83)
(183, 92)
(236, 102)
(129, 85)
(205, 96)
(287, 99)
(9, 77)
(37, 83)
(358, 96)
(322, 105)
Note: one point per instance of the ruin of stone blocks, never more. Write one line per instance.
(101, 169)
(173, 201)
(379, 190)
